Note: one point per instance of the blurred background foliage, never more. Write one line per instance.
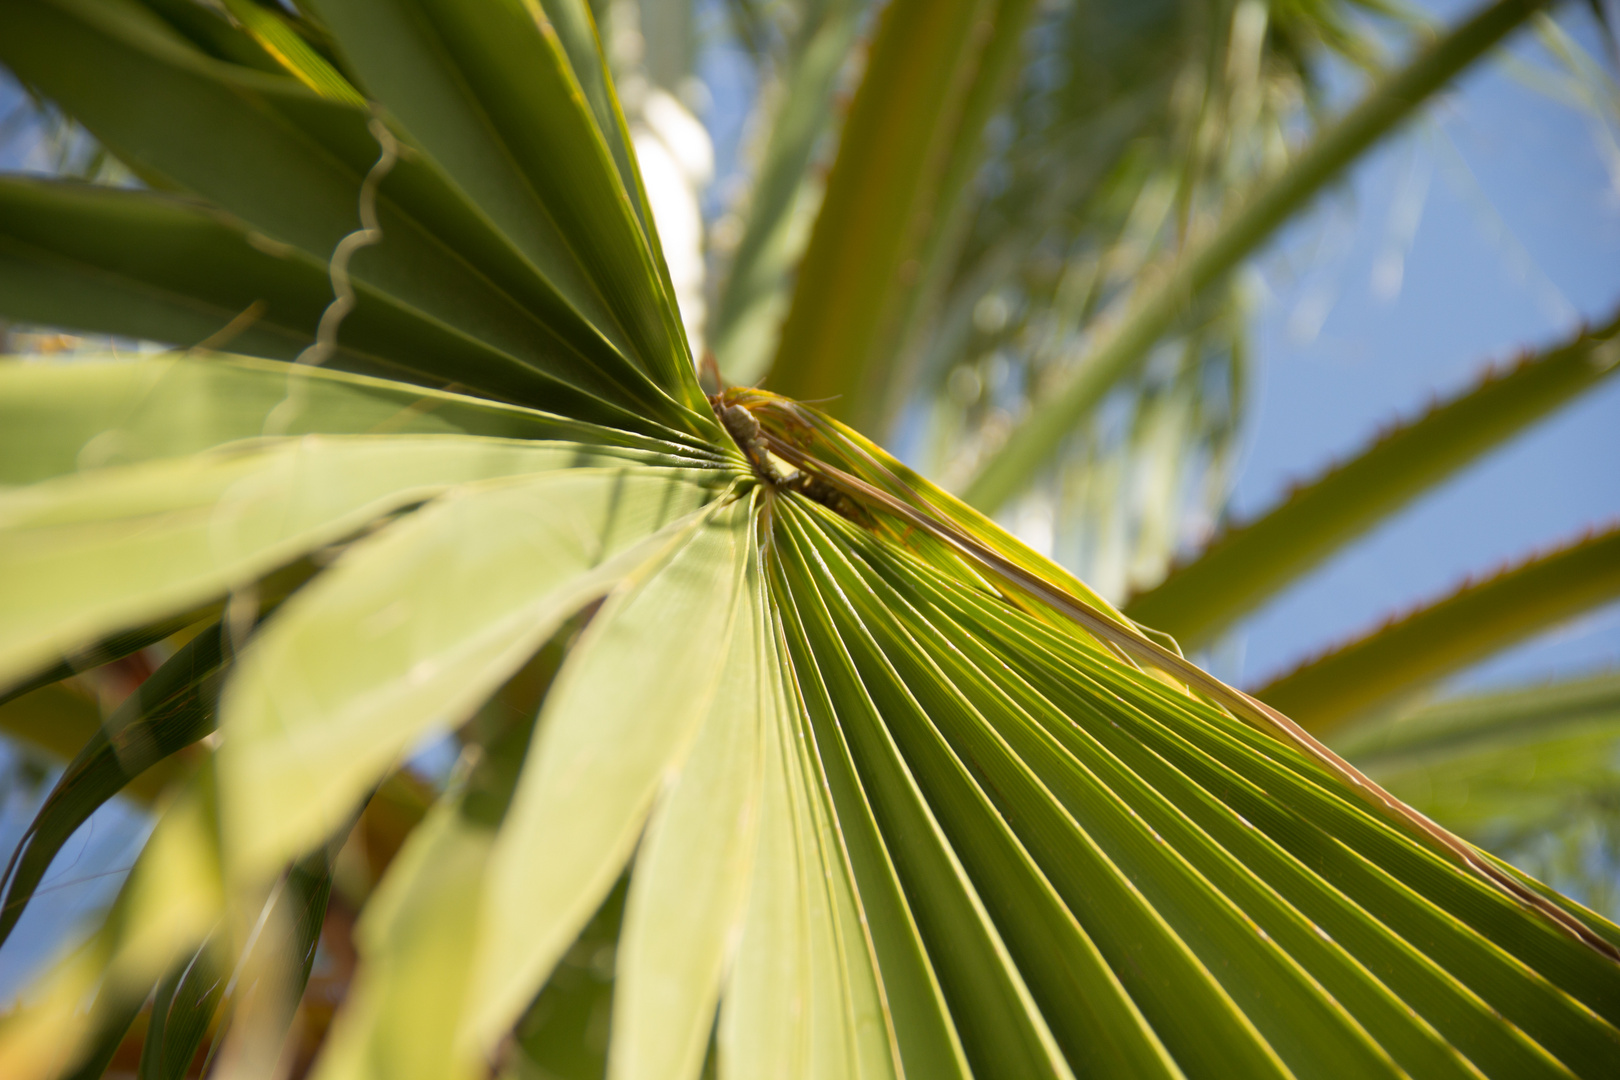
(1088, 147)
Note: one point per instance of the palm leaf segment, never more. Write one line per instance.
(895, 795)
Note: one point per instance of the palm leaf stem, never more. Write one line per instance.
(896, 360)
(921, 101)
(754, 295)
(1250, 563)
(1378, 669)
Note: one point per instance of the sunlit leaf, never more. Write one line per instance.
(417, 940)
(354, 671)
(622, 717)
(685, 908)
(188, 530)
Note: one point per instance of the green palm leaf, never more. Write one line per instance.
(600, 764)
(316, 722)
(186, 530)
(892, 794)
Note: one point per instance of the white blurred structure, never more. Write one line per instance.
(677, 160)
(672, 146)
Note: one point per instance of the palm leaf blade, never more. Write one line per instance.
(687, 895)
(190, 530)
(281, 138)
(584, 758)
(515, 69)
(417, 938)
(82, 257)
(946, 905)
(925, 1036)
(58, 418)
(352, 672)
(816, 1010)
(412, 63)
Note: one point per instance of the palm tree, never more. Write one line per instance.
(776, 757)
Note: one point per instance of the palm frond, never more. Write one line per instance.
(850, 781)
